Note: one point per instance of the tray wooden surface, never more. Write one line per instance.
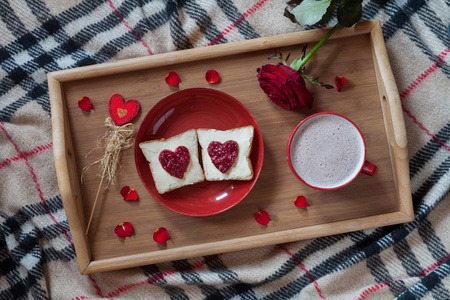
(370, 99)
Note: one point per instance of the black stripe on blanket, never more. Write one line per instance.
(203, 21)
(316, 245)
(370, 246)
(193, 278)
(179, 36)
(443, 168)
(434, 244)
(401, 19)
(237, 19)
(24, 257)
(154, 276)
(430, 284)
(419, 160)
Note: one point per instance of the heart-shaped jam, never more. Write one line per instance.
(175, 162)
(122, 111)
(223, 155)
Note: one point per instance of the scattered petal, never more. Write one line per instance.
(340, 82)
(172, 78)
(128, 193)
(212, 76)
(124, 229)
(85, 104)
(161, 235)
(262, 217)
(300, 201)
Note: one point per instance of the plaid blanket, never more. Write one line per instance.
(37, 256)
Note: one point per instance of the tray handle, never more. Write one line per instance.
(395, 123)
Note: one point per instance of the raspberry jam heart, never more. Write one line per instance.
(175, 162)
(223, 155)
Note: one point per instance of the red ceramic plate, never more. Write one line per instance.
(198, 108)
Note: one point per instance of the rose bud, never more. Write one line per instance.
(284, 86)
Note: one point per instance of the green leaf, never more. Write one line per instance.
(294, 2)
(327, 16)
(317, 82)
(349, 12)
(296, 64)
(288, 15)
(310, 12)
(279, 57)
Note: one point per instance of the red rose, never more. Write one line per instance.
(284, 86)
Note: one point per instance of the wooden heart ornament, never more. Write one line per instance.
(122, 112)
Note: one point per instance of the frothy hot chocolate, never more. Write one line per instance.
(327, 151)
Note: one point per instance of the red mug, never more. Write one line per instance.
(327, 151)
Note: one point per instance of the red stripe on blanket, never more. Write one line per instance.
(245, 15)
(372, 290)
(129, 27)
(37, 185)
(425, 74)
(434, 266)
(25, 154)
(414, 85)
(424, 273)
(151, 280)
(302, 266)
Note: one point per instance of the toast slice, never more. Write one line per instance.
(219, 157)
(174, 162)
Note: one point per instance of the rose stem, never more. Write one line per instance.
(319, 44)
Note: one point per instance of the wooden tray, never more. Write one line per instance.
(370, 99)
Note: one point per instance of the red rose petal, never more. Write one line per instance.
(161, 235)
(212, 76)
(124, 229)
(128, 193)
(340, 82)
(262, 217)
(172, 78)
(300, 201)
(85, 104)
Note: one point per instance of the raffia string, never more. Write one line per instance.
(117, 138)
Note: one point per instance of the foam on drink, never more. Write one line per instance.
(327, 151)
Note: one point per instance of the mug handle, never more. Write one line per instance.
(369, 168)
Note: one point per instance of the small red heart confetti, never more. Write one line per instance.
(212, 76)
(161, 235)
(175, 162)
(122, 112)
(340, 82)
(223, 155)
(85, 104)
(300, 201)
(124, 229)
(262, 217)
(172, 78)
(128, 193)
